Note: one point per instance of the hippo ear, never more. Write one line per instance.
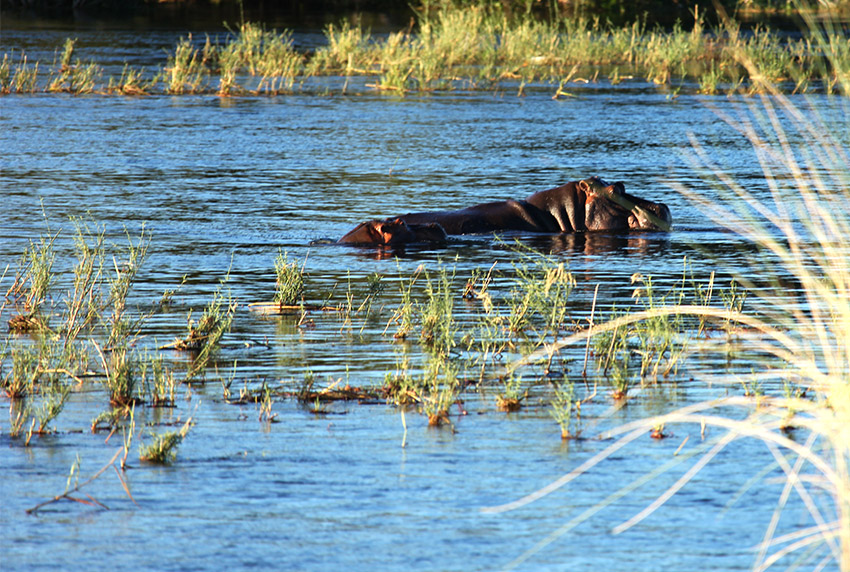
(619, 188)
(585, 187)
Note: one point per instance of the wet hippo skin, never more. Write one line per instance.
(393, 231)
(586, 205)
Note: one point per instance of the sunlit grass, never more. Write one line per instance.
(801, 226)
(470, 47)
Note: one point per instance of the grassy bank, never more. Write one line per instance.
(471, 48)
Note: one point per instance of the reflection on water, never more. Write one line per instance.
(224, 185)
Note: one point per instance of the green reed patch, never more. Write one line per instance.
(31, 286)
(472, 47)
(451, 333)
(163, 449)
(204, 336)
(564, 410)
(289, 280)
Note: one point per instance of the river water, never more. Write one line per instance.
(223, 185)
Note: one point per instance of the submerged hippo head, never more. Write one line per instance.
(610, 207)
(393, 231)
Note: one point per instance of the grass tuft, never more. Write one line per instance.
(163, 449)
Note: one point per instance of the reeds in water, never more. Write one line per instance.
(132, 82)
(289, 281)
(205, 335)
(22, 79)
(476, 47)
(163, 449)
(187, 68)
(564, 410)
(73, 76)
(801, 227)
(29, 291)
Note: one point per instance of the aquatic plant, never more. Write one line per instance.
(51, 406)
(346, 50)
(21, 380)
(83, 304)
(280, 64)
(32, 283)
(539, 301)
(660, 340)
(110, 418)
(400, 388)
(5, 75)
(186, 69)
(157, 380)
(289, 280)
(562, 406)
(404, 313)
(73, 77)
(510, 399)
(121, 327)
(121, 374)
(204, 337)
(163, 449)
(22, 78)
(801, 227)
(132, 82)
(265, 413)
(440, 389)
(477, 47)
(437, 326)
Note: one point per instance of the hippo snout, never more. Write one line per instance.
(650, 216)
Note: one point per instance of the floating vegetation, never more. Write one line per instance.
(471, 48)
(564, 410)
(187, 67)
(30, 288)
(163, 449)
(452, 333)
(289, 281)
(205, 335)
(510, 398)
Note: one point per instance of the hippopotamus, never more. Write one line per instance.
(394, 231)
(578, 206)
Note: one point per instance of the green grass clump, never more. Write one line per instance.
(132, 82)
(205, 335)
(22, 379)
(163, 449)
(440, 388)
(22, 78)
(562, 407)
(187, 68)
(73, 76)
(289, 281)
(511, 396)
(31, 287)
(437, 326)
(467, 46)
